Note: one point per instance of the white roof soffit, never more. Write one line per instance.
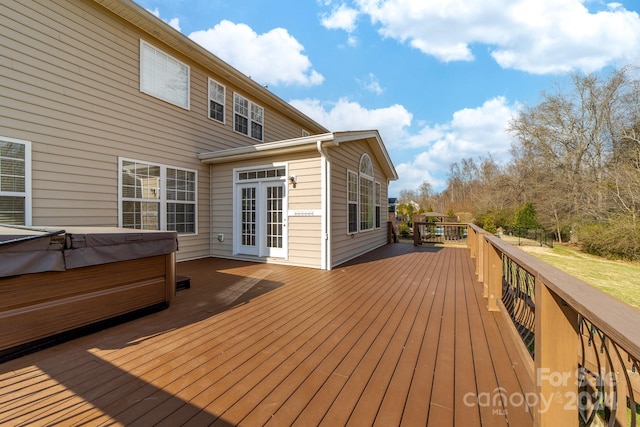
(306, 143)
(147, 22)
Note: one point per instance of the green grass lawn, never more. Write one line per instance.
(620, 279)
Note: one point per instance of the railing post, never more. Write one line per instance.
(485, 266)
(493, 278)
(556, 365)
(480, 257)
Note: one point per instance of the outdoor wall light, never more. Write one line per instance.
(293, 180)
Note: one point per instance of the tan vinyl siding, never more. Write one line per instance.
(222, 210)
(304, 232)
(70, 72)
(344, 246)
(304, 241)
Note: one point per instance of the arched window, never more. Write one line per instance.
(366, 206)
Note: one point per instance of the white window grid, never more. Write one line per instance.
(157, 197)
(217, 101)
(15, 181)
(248, 118)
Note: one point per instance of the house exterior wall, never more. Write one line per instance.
(304, 202)
(70, 86)
(345, 246)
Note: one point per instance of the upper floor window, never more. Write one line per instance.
(15, 181)
(157, 197)
(216, 100)
(248, 118)
(305, 132)
(366, 205)
(163, 76)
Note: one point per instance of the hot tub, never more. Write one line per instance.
(57, 283)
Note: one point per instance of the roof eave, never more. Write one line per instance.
(268, 148)
(149, 23)
(306, 143)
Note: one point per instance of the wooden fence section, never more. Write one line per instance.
(582, 345)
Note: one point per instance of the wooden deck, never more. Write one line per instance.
(400, 336)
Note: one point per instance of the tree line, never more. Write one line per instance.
(574, 169)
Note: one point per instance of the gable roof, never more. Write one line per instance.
(307, 143)
(158, 29)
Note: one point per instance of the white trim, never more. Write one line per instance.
(369, 178)
(28, 192)
(325, 202)
(297, 145)
(377, 203)
(162, 200)
(248, 116)
(224, 103)
(356, 202)
(144, 88)
(259, 183)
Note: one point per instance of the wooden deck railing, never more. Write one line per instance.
(582, 345)
(439, 232)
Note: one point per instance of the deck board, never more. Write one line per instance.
(398, 336)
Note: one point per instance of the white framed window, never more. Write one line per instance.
(366, 207)
(157, 197)
(378, 196)
(217, 96)
(248, 118)
(305, 133)
(352, 202)
(163, 76)
(15, 181)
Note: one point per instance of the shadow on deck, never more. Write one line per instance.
(398, 336)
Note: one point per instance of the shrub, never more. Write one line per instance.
(405, 230)
(617, 239)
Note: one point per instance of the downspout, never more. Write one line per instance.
(325, 182)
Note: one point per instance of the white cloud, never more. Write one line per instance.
(371, 84)
(471, 132)
(273, 58)
(537, 36)
(174, 22)
(346, 115)
(340, 18)
(344, 18)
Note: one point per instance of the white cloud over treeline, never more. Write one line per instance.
(429, 150)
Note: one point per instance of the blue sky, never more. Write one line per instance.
(440, 79)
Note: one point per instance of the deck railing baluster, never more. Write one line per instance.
(594, 380)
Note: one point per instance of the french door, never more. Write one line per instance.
(261, 219)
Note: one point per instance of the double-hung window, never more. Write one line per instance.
(15, 181)
(157, 197)
(378, 196)
(366, 206)
(352, 202)
(248, 118)
(163, 76)
(216, 100)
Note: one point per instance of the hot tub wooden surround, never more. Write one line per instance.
(77, 281)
